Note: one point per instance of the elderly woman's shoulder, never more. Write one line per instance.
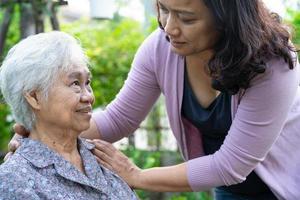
(15, 168)
(15, 179)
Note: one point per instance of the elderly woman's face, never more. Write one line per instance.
(189, 25)
(69, 104)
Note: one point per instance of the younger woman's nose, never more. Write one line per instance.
(171, 27)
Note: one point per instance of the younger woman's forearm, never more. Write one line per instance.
(92, 132)
(164, 179)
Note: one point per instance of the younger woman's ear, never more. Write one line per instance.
(33, 98)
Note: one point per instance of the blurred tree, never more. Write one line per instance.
(296, 24)
(293, 18)
(110, 46)
(32, 14)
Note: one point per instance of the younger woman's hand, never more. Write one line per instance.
(14, 144)
(113, 159)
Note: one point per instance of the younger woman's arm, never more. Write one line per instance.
(162, 179)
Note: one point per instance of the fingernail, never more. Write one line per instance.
(89, 140)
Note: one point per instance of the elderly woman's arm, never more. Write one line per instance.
(162, 179)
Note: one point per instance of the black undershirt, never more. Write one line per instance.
(213, 123)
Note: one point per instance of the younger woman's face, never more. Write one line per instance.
(189, 24)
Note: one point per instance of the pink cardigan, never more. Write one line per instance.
(265, 131)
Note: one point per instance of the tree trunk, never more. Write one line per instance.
(27, 21)
(38, 16)
(4, 26)
(53, 17)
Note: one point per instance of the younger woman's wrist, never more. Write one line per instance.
(137, 179)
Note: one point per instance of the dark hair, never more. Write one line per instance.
(249, 36)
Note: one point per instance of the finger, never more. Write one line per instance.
(103, 142)
(7, 156)
(89, 140)
(105, 147)
(13, 145)
(18, 128)
(102, 155)
(104, 164)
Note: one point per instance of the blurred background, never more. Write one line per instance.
(111, 31)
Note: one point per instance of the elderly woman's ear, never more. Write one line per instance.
(34, 99)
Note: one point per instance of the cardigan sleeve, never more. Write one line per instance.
(134, 101)
(258, 122)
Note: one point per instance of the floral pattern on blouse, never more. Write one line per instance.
(37, 172)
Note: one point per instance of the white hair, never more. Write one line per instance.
(32, 65)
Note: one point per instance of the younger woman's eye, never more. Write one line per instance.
(163, 9)
(187, 21)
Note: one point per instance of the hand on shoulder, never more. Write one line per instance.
(14, 144)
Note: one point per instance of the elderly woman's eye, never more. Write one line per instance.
(88, 82)
(76, 83)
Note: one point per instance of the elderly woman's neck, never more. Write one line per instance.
(64, 142)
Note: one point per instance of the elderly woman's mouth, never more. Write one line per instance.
(85, 110)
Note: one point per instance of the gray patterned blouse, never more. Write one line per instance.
(36, 172)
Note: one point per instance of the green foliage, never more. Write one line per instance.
(110, 47)
(294, 16)
(191, 196)
(4, 126)
(142, 158)
(13, 36)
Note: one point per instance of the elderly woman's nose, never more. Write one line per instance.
(87, 95)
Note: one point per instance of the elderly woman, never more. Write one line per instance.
(46, 82)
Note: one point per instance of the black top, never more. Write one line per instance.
(214, 123)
